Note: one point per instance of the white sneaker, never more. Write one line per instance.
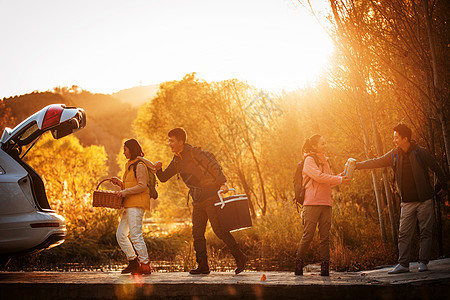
(422, 267)
(399, 269)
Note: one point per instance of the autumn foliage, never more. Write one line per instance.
(390, 66)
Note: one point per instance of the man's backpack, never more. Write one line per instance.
(151, 184)
(417, 153)
(299, 186)
(206, 168)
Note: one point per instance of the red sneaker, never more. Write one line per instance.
(142, 270)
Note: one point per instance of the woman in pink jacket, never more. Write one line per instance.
(317, 205)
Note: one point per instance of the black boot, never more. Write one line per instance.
(298, 267)
(133, 265)
(241, 260)
(202, 267)
(325, 268)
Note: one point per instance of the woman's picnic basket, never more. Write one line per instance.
(103, 198)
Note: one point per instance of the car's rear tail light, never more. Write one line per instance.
(52, 116)
(40, 225)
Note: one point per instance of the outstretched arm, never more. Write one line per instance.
(170, 171)
(380, 162)
(311, 169)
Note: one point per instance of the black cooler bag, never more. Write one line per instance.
(233, 212)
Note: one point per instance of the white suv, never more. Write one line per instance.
(27, 222)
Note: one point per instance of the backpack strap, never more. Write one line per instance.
(394, 168)
(308, 179)
(210, 158)
(134, 165)
(317, 161)
(394, 159)
(419, 158)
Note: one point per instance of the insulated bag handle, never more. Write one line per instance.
(220, 196)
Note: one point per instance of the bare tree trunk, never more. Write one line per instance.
(387, 188)
(379, 148)
(437, 83)
(440, 103)
(247, 192)
(390, 203)
(374, 179)
(261, 181)
(446, 133)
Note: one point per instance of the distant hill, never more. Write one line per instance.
(138, 95)
(109, 120)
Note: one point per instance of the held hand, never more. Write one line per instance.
(116, 181)
(342, 173)
(158, 165)
(224, 189)
(148, 163)
(120, 193)
(346, 180)
(442, 193)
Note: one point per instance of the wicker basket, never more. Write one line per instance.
(109, 199)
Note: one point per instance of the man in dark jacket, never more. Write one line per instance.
(204, 178)
(411, 163)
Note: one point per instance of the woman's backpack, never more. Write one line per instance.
(299, 186)
(151, 184)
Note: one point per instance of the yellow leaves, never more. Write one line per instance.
(70, 172)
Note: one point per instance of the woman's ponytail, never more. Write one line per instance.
(306, 146)
(310, 144)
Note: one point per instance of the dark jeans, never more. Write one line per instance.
(203, 211)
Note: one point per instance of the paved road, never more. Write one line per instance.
(374, 284)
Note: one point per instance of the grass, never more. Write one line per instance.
(271, 245)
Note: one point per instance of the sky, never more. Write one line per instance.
(108, 45)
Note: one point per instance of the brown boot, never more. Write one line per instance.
(298, 267)
(202, 267)
(241, 260)
(325, 268)
(133, 265)
(143, 269)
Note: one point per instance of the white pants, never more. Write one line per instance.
(129, 234)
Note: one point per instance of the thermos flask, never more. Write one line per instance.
(350, 166)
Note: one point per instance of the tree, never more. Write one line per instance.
(392, 46)
(6, 118)
(226, 118)
(70, 173)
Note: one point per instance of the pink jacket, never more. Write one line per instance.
(318, 189)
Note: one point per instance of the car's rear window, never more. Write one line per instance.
(28, 132)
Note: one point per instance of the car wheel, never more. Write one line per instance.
(4, 260)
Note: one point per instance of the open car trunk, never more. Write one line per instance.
(58, 119)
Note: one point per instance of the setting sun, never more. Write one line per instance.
(106, 46)
(204, 143)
